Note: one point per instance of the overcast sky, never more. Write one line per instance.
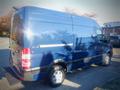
(105, 10)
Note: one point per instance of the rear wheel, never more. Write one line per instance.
(57, 76)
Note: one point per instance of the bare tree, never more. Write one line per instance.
(5, 23)
(79, 12)
(71, 11)
(92, 15)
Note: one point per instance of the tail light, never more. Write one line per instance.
(26, 56)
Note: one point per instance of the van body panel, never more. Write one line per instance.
(54, 37)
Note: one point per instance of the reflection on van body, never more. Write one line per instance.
(42, 40)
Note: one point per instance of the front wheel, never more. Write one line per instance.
(106, 59)
(57, 76)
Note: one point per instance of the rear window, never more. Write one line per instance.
(16, 34)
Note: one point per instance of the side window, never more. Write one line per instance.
(83, 37)
(16, 35)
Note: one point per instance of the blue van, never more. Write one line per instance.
(45, 44)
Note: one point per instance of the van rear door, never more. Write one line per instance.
(16, 42)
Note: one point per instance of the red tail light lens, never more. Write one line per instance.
(26, 56)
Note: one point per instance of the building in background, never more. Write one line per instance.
(111, 28)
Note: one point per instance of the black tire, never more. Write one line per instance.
(106, 59)
(52, 78)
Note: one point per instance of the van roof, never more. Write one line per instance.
(82, 19)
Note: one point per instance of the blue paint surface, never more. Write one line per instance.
(46, 27)
(4, 57)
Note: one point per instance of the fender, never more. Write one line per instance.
(60, 62)
(109, 51)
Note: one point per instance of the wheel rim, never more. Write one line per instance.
(106, 60)
(57, 77)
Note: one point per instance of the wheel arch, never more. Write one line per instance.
(110, 52)
(61, 63)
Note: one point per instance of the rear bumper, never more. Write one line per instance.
(35, 75)
(31, 75)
